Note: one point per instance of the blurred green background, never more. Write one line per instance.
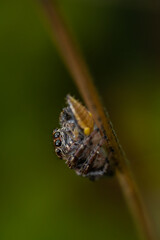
(41, 198)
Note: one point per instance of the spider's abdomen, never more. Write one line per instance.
(82, 115)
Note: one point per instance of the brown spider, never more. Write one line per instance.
(79, 142)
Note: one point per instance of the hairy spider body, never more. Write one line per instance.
(79, 142)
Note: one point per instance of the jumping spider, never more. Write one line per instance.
(79, 142)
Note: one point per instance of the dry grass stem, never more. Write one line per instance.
(75, 63)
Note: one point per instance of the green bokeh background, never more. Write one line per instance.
(41, 198)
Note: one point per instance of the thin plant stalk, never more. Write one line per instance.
(72, 56)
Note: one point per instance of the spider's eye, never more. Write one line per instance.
(58, 152)
(58, 143)
(56, 135)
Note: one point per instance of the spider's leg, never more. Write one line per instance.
(73, 160)
(92, 157)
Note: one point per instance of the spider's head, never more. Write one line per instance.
(57, 142)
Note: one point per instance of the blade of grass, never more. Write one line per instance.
(75, 63)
